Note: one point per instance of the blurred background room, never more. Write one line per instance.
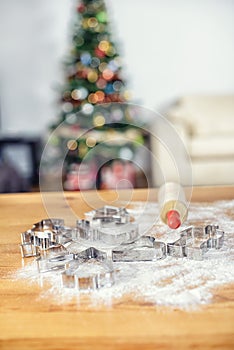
(61, 61)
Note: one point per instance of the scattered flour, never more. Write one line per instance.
(180, 283)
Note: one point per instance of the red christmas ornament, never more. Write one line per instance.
(99, 53)
(81, 8)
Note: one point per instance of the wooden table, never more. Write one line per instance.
(30, 322)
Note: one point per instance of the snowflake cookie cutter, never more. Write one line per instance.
(145, 248)
(194, 242)
(90, 270)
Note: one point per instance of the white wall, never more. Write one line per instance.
(169, 48)
(33, 36)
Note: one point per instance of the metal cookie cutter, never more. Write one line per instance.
(109, 214)
(27, 248)
(43, 235)
(216, 236)
(64, 235)
(111, 233)
(52, 263)
(195, 241)
(89, 271)
(55, 224)
(46, 232)
(178, 248)
(91, 253)
(143, 249)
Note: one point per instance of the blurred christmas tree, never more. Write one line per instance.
(96, 125)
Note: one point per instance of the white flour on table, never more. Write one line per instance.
(180, 283)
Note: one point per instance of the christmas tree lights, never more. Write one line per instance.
(94, 108)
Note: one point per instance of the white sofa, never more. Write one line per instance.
(206, 126)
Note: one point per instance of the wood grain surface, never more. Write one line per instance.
(28, 321)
